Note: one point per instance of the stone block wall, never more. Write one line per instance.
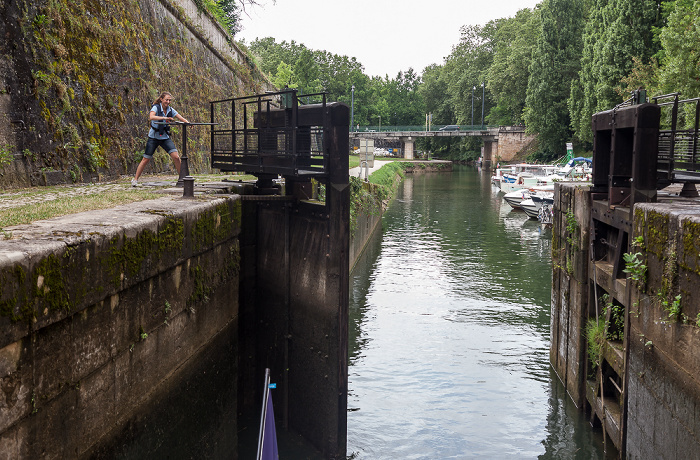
(664, 359)
(511, 140)
(77, 79)
(107, 316)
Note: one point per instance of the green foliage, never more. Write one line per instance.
(368, 198)
(555, 63)
(226, 12)
(466, 69)
(634, 267)
(6, 155)
(680, 41)
(672, 308)
(595, 338)
(572, 228)
(615, 34)
(362, 201)
(615, 325)
(514, 40)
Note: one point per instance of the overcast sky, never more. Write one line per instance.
(386, 36)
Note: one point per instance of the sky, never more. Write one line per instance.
(386, 36)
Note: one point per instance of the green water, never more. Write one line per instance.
(449, 332)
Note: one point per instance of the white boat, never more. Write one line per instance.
(542, 199)
(578, 168)
(523, 180)
(498, 175)
(514, 198)
(536, 201)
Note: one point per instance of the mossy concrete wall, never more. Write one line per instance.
(77, 79)
(664, 357)
(661, 369)
(107, 318)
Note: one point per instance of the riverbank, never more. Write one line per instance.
(370, 198)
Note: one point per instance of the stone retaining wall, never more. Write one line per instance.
(103, 314)
(652, 407)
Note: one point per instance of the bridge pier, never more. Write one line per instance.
(490, 149)
(408, 143)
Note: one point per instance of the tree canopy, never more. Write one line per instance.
(551, 68)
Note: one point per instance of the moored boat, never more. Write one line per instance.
(515, 197)
(530, 208)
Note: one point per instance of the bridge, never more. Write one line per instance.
(500, 142)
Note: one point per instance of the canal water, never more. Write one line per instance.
(449, 332)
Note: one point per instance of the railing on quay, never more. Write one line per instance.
(678, 139)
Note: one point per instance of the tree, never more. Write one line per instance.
(232, 14)
(616, 32)
(284, 77)
(555, 63)
(680, 39)
(507, 77)
(306, 72)
(466, 67)
(434, 93)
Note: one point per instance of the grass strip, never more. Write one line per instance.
(28, 213)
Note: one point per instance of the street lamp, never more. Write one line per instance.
(473, 88)
(482, 104)
(352, 109)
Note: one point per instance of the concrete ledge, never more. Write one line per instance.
(108, 250)
(101, 316)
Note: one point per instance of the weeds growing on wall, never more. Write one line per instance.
(595, 338)
(369, 198)
(363, 201)
(634, 267)
(615, 326)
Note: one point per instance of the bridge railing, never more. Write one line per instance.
(403, 128)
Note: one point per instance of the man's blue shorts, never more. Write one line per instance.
(152, 144)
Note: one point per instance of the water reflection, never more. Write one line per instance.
(449, 332)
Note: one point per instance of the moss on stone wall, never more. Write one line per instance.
(656, 238)
(690, 259)
(85, 75)
(61, 281)
(214, 225)
(127, 258)
(205, 283)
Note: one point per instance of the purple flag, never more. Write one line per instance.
(269, 449)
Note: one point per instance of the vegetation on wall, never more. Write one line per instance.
(86, 73)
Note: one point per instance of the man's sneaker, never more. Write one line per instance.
(134, 183)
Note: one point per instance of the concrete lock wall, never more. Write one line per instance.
(108, 318)
(664, 359)
(660, 399)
